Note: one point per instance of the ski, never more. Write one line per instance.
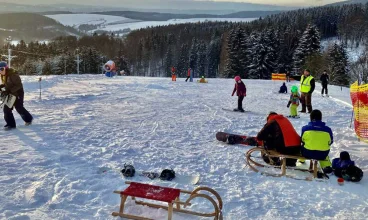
(233, 110)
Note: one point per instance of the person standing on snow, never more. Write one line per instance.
(188, 74)
(241, 92)
(324, 80)
(294, 102)
(12, 84)
(307, 85)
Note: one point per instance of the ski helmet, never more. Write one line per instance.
(237, 78)
(128, 170)
(294, 89)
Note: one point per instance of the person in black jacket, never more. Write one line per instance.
(324, 80)
(283, 88)
(12, 84)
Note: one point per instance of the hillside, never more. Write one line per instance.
(49, 170)
(348, 2)
(154, 16)
(29, 26)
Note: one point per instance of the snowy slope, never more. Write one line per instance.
(75, 20)
(48, 170)
(117, 23)
(145, 24)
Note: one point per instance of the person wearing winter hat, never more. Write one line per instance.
(279, 134)
(317, 139)
(294, 102)
(241, 92)
(12, 84)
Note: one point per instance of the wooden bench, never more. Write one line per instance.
(170, 196)
(271, 153)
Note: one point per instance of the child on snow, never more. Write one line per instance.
(241, 92)
(294, 102)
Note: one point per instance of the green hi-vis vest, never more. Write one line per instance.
(305, 85)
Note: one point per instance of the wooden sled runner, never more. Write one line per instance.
(171, 196)
(270, 153)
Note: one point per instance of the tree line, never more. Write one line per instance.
(290, 41)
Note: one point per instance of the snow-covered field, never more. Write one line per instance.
(117, 23)
(49, 170)
(75, 20)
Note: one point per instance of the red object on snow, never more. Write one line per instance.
(158, 193)
(340, 181)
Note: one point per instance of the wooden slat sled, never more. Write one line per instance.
(270, 153)
(171, 196)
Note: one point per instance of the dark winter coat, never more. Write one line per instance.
(274, 136)
(283, 89)
(240, 89)
(13, 83)
(324, 79)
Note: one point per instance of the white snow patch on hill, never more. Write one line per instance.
(83, 122)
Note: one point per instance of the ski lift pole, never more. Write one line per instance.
(39, 81)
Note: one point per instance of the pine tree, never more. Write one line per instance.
(47, 67)
(193, 55)
(213, 56)
(183, 61)
(232, 65)
(338, 62)
(168, 62)
(201, 59)
(309, 44)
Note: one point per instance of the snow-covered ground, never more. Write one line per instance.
(49, 170)
(117, 23)
(75, 20)
(145, 24)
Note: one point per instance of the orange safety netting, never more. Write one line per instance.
(359, 98)
(279, 76)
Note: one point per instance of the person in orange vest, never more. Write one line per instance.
(279, 134)
(188, 74)
(173, 74)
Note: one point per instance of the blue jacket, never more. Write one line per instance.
(316, 140)
(341, 164)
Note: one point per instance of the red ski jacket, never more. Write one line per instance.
(240, 89)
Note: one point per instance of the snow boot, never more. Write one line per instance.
(8, 128)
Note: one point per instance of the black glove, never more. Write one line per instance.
(4, 93)
(288, 105)
(2, 86)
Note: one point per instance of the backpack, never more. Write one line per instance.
(350, 173)
(128, 170)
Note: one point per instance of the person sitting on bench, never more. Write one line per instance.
(316, 140)
(279, 134)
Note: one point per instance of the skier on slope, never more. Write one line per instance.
(12, 84)
(279, 134)
(241, 92)
(188, 74)
(324, 80)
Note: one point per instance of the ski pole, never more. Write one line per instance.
(352, 115)
(39, 80)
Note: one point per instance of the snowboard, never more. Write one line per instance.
(148, 176)
(237, 139)
(8, 100)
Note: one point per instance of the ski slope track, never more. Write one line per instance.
(83, 122)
